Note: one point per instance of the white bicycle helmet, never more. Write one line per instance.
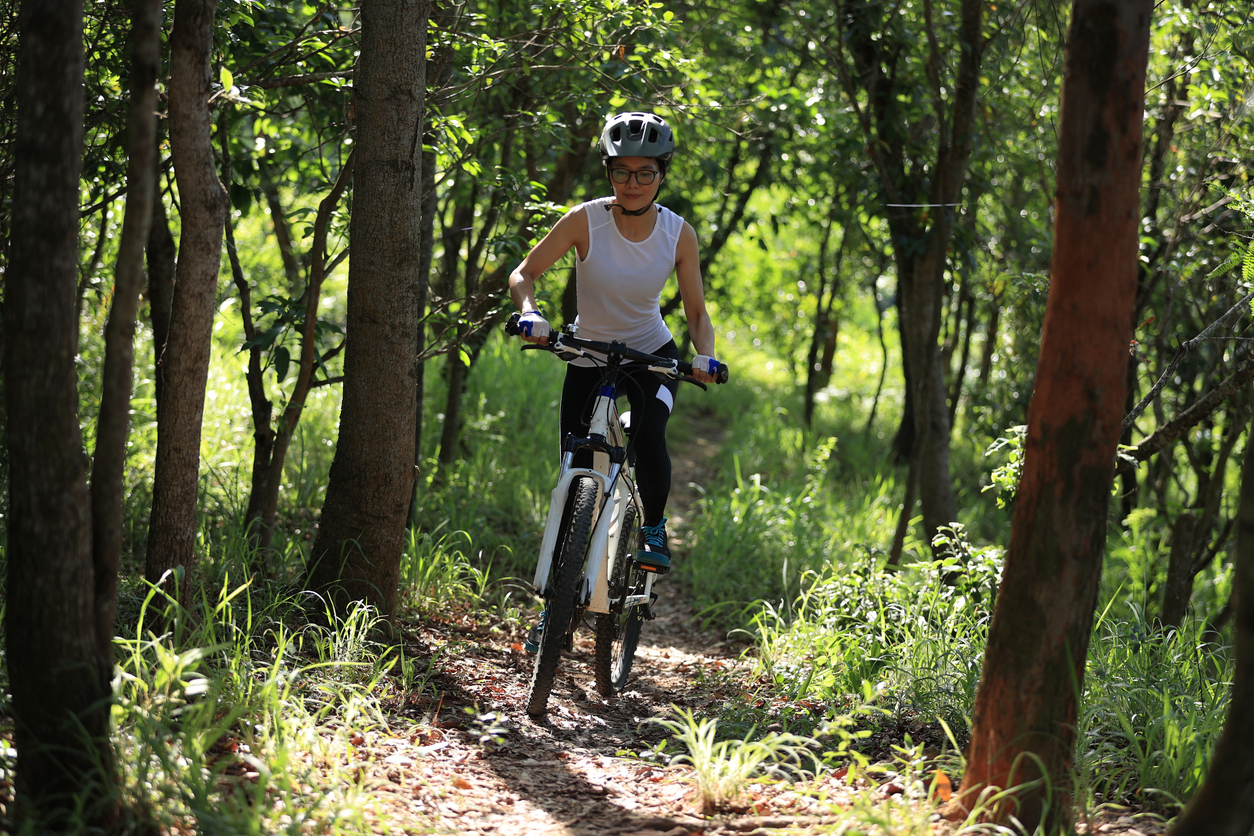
(637, 135)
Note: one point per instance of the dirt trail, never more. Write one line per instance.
(587, 768)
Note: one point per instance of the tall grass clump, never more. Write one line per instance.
(1154, 706)
(238, 718)
(913, 638)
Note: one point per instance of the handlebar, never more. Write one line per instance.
(561, 343)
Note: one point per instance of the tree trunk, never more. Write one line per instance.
(185, 361)
(1024, 720)
(58, 673)
(113, 425)
(1179, 586)
(1224, 804)
(161, 260)
(357, 553)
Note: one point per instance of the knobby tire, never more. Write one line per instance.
(618, 633)
(563, 586)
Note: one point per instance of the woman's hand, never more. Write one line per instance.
(534, 328)
(704, 369)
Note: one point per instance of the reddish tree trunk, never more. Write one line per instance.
(357, 553)
(1025, 711)
(1224, 804)
(58, 674)
(184, 363)
(115, 401)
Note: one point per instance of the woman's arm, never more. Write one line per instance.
(570, 231)
(692, 291)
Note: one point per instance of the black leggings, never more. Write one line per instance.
(649, 414)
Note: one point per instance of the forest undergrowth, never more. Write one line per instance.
(806, 669)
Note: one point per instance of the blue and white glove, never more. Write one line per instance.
(706, 364)
(531, 324)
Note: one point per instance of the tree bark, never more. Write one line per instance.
(1224, 804)
(357, 553)
(58, 672)
(185, 361)
(1024, 720)
(107, 492)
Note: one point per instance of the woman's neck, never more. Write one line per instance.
(636, 227)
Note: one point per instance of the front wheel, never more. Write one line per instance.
(618, 633)
(564, 585)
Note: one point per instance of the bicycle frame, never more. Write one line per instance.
(613, 495)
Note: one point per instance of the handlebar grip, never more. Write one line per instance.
(685, 368)
(511, 324)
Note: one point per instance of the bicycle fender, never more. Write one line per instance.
(605, 539)
(553, 522)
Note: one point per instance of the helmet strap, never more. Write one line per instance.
(633, 212)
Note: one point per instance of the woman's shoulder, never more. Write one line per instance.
(595, 202)
(670, 221)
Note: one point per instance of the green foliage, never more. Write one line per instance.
(222, 722)
(723, 768)
(914, 637)
(1154, 707)
(1006, 476)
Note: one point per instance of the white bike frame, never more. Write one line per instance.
(613, 495)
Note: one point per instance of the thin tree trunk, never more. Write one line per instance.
(426, 252)
(58, 674)
(357, 553)
(960, 374)
(879, 388)
(185, 361)
(903, 521)
(990, 341)
(113, 423)
(1024, 719)
(304, 375)
(1224, 804)
(161, 265)
(1179, 586)
(262, 408)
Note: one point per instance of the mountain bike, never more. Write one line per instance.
(587, 554)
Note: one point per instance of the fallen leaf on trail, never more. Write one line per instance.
(840, 773)
(891, 789)
(941, 786)
(357, 740)
(461, 783)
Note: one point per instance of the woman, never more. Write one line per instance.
(627, 246)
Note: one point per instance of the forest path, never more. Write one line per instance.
(470, 760)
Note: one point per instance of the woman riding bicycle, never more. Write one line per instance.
(627, 248)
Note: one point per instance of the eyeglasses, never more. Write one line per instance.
(622, 176)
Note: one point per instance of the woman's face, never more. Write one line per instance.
(632, 194)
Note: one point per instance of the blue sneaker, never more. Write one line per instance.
(532, 643)
(654, 554)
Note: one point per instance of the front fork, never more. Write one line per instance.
(606, 535)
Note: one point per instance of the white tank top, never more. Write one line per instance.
(619, 283)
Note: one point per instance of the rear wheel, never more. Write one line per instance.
(618, 633)
(562, 588)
